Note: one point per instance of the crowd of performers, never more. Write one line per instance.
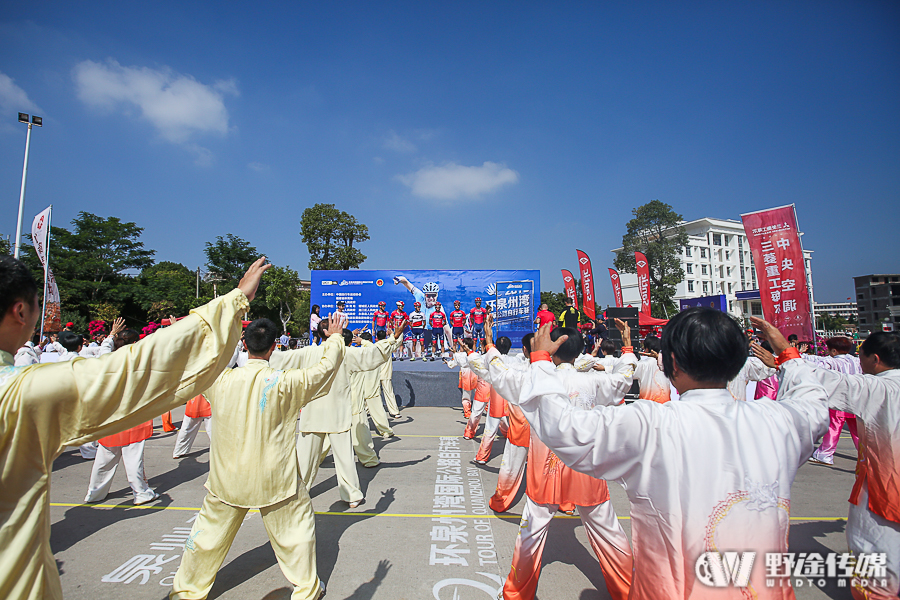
(703, 468)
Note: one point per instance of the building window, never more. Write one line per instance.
(702, 252)
(705, 287)
(756, 309)
(690, 269)
(728, 269)
(687, 251)
(690, 285)
(717, 239)
(730, 286)
(730, 306)
(703, 269)
(862, 319)
(726, 239)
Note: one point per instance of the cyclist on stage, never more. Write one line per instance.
(437, 320)
(417, 326)
(458, 323)
(380, 317)
(397, 319)
(476, 318)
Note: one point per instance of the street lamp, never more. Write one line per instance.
(23, 118)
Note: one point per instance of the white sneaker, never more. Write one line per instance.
(148, 500)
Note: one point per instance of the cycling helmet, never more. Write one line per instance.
(437, 304)
(399, 303)
(417, 305)
(456, 303)
(382, 304)
(430, 288)
(477, 300)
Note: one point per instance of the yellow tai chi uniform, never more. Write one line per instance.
(46, 407)
(253, 464)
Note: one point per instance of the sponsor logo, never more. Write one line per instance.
(642, 264)
(583, 260)
(716, 569)
(567, 279)
(379, 282)
(329, 282)
(614, 276)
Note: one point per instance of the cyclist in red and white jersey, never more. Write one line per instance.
(458, 323)
(477, 317)
(437, 320)
(397, 319)
(417, 326)
(380, 317)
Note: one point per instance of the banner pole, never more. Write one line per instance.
(809, 292)
(46, 272)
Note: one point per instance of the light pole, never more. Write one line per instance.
(23, 118)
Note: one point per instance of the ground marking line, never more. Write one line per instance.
(371, 514)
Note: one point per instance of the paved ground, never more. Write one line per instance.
(391, 547)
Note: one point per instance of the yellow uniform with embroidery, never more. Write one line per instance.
(46, 407)
(253, 464)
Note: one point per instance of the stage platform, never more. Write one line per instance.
(425, 383)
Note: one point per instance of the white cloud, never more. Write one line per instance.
(451, 181)
(398, 144)
(13, 98)
(177, 105)
(258, 167)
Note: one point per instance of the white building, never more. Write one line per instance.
(837, 309)
(717, 260)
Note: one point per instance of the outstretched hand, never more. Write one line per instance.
(543, 343)
(250, 281)
(117, 326)
(762, 354)
(625, 330)
(776, 339)
(398, 330)
(334, 325)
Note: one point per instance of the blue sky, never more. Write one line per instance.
(467, 135)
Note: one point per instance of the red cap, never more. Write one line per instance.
(70, 324)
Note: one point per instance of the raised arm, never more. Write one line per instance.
(86, 399)
(304, 385)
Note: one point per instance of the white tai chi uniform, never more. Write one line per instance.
(385, 377)
(753, 370)
(29, 354)
(874, 521)
(664, 455)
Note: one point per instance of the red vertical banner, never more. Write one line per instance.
(569, 283)
(617, 286)
(643, 276)
(587, 285)
(780, 269)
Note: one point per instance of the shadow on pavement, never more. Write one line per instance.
(367, 590)
(81, 522)
(563, 547)
(802, 538)
(367, 475)
(188, 469)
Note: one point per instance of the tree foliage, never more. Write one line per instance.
(655, 230)
(282, 292)
(171, 286)
(329, 235)
(228, 258)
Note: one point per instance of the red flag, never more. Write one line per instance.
(780, 269)
(587, 285)
(643, 275)
(617, 286)
(569, 282)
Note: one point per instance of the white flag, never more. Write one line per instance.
(40, 231)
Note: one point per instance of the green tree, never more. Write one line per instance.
(282, 292)
(655, 230)
(329, 235)
(555, 301)
(228, 258)
(169, 285)
(92, 261)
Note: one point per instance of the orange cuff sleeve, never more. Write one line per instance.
(788, 354)
(538, 356)
(627, 349)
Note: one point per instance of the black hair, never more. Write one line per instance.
(886, 345)
(321, 327)
(366, 336)
(503, 344)
(708, 345)
(381, 334)
(467, 341)
(16, 283)
(348, 337)
(70, 340)
(793, 337)
(569, 300)
(651, 343)
(767, 346)
(608, 347)
(314, 310)
(260, 335)
(526, 341)
(292, 344)
(572, 347)
(128, 336)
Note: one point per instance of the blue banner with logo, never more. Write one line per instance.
(512, 295)
(719, 302)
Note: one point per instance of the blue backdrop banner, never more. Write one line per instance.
(513, 295)
(718, 302)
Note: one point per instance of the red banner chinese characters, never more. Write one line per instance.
(780, 269)
(569, 283)
(587, 285)
(643, 276)
(617, 286)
